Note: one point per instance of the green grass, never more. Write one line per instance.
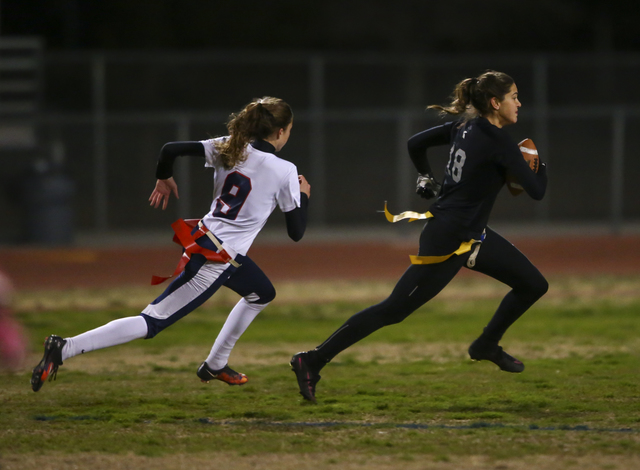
(408, 391)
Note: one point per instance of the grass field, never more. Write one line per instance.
(406, 397)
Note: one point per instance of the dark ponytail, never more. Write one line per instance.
(472, 96)
(257, 121)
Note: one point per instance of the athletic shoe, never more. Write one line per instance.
(307, 377)
(226, 374)
(480, 351)
(48, 366)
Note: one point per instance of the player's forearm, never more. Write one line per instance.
(535, 184)
(297, 219)
(419, 143)
(173, 150)
(539, 188)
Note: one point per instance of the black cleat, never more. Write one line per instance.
(307, 377)
(479, 351)
(48, 366)
(226, 374)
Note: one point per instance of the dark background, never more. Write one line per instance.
(201, 60)
(453, 26)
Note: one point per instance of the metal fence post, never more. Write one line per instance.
(317, 140)
(100, 142)
(183, 175)
(403, 162)
(413, 99)
(541, 127)
(617, 169)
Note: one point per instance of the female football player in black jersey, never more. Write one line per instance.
(456, 233)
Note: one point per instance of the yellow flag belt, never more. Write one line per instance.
(412, 216)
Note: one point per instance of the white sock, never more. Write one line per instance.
(116, 332)
(237, 322)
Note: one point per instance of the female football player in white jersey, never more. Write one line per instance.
(249, 182)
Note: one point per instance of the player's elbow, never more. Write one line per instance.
(295, 234)
(538, 193)
(168, 149)
(537, 196)
(296, 223)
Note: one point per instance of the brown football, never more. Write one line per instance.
(530, 154)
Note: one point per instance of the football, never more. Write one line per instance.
(530, 154)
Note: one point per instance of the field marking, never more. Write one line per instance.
(474, 425)
(355, 424)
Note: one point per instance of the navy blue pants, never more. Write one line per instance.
(199, 281)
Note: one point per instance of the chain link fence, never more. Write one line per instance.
(103, 117)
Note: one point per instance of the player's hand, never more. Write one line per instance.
(305, 187)
(427, 187)
(162, 192)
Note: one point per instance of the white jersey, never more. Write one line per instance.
(245, 196)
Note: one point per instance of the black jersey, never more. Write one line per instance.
(480, 156)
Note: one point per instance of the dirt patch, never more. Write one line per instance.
(35, 269)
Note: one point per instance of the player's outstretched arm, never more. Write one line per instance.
(164, 170)
(162, 192)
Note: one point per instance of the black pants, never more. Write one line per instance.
(497, 258)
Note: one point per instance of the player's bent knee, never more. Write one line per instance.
(392, 320)
(535, 289)
(392, 311)
(154, 326)
(397, 317)
(269, 296)
(541, 287)
(263, 297)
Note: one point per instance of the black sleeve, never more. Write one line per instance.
(171, 151)
(535, 184)
(297, 219)
(419, 143)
